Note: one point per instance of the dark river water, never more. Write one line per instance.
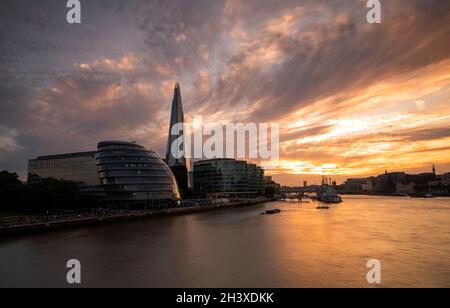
(301, 247)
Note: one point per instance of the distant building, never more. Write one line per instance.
(387, 182)
(397, 176)
(441, 185)
(371, 184)
(271, 186)
(405, 188)
(401, 183)
(228, 177)
(422, 178)
(121, 171)
(355, 185)
(440, 190)
(445, 179)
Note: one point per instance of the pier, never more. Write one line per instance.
(297, 198)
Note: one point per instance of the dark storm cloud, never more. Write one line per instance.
(342, 55)
(422, 134)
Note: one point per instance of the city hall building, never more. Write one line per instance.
(120, 171)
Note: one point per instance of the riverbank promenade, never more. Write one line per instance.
(24, 224)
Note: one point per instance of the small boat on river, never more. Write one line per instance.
(272, 212)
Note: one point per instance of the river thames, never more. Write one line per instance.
(301, 247)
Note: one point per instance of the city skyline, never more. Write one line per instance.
(352, 99)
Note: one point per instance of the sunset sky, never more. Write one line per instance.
(352, 98)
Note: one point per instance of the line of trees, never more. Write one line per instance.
(48, 194)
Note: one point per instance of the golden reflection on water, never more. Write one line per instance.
(301, 247)
(330, 248)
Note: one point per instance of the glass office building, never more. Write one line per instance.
(180, 166)
(130, 173)
(228, 177)
(76, 167)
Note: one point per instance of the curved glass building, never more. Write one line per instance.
(129, 173)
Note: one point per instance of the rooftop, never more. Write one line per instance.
(68, 155)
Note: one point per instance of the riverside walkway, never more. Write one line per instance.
(22, 224)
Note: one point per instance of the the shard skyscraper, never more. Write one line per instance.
(178, 163)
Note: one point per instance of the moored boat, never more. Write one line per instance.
(422, 195)
(271, 212)
(329, 195)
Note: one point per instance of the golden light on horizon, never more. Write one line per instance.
(390, 124)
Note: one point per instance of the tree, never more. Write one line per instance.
(55, 194)
(8, 178)
(12, 197)
(12, 194)
(48, 194)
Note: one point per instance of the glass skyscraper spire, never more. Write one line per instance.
(178, 163)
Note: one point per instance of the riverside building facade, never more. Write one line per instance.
(228, 177)
(123, 172)
(129, 172)
(75, 167)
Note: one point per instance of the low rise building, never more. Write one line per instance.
(355, 185)
(228, 177)
(75, 167)
(271, 187)
(405, 188)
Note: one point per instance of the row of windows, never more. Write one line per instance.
(75, 161)
(125, 152)
(108, 155)
(141, 188)
(227, 170)
(125, 173)
(149, 196)
(107, 167)
(113, 147)
(127, 160)
(149, 180)
(233, 177)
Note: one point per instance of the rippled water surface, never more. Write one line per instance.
(301, 247)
